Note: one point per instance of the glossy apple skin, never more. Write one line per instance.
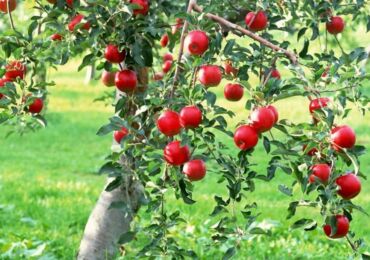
(167, 56)
(119, 135)
(164, 40)
(275, 74)
(196, 43)
(56, 37)
(76, 20)
(343, 137)
(158, 76)
(107, 78)
(245, 137)
(143, 8)
(210, 75)
(233, 92)
(195, 170)
(335, 25)
(349, 186)
(113, 55)
(318, 103)
(4, 6)
(166, 67)
(2, 84)
(36, 106)
(262, 119)
(126, 81)
(256, 22)
(168, 123)
(229, 69)
(175, 154)
(275, 112)
(320, 172)
(14, 70)
(190, 117)
(342, 227)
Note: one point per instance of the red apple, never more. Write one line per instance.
(175, 154)
(126, 80)
(342, 225)
(262, 119)
(349, 186)
(343, 137)
(318, 103)
(143, 7)
(166, 66)
(2, 84)
(77, 20)
(245, 137)
(4, 5)
(196, 42)
(167, 56)
(177, 26)
(195, 170)
(15, 69)
(69, 3)
(311, 152)
(335, 25)
(119, 135)
(210, 75)
(229, 69)
(233, 92)
(164, 40)
(275, 112)
(36, 106)
(56, 37)
(320, 172)
(113, 55)
(108, 77)
(158, 76)
(190, 117)
(168, 123)
(275, 74)
(325, 73)
(256, 22)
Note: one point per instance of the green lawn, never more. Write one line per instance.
(48, 185)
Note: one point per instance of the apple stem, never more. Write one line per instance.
(340, 46)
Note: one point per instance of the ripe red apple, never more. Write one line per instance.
(210, 75)
(126, 80)
(2, 84)
(168, 123)
(335, 25)
(195, 170)
(256, 22)
(320, 172)
(175, 154)
(69, 3)
(342, 225)
(325, 73)
(275, 74)
(229, 69)
(233, 92)
(318, 103)
(143, 8)
(196, 42)
(108, 78)
(166, 66)
(4, 5)
(15, 69)
(120, 134)
(167, 56)
(36, 106)
(343, 137)
(275, 112)
(76, 20)
(113, 55)
(349, 186)
(262, 119)
(245, 137)
(56, 37)
(190, 117)
(158, 76)
(311, 152)
(164, 40)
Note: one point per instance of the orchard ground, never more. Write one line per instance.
(49, 184)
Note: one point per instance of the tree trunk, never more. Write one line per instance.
(90, 74)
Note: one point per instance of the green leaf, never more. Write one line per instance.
(307, 224)
(286, 190)
(229, 253)
(266, 144)
(126, 237)
(114, 184)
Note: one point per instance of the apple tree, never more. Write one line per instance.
(169, 130)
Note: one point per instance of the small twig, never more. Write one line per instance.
(11, 20)
(351, 244)
(340, 46)
(268, 76)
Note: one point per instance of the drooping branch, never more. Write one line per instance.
(234, 27)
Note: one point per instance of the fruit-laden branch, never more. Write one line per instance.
(292, 57)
